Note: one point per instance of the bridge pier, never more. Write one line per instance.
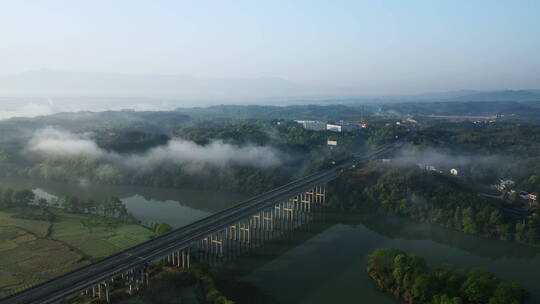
(107, 292)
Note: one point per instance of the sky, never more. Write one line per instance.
(377, 47)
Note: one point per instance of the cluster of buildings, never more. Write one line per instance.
(506, 187)
(317, 125)
(341, 126)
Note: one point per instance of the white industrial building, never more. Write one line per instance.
(339, 127)
(314, 125)
(332, 142)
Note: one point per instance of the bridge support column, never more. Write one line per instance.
(107, 292)
(188, 255)
(180, 257)
(183, 259)
(320, 194)
(267, 220)
(305, 200)
(290, 210)
(245, 237)
(217, 245)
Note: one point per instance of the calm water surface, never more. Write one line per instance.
(326, 263)
(177, 207)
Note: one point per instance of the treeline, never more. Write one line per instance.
(434, 198)
(229, 178)
(305, 112)
(111, 208)
(407, 277)
(465, 108)
(487, 138)
(303, 152)
(517, 147)
(20, 199)
(13, 198)
(25, 203)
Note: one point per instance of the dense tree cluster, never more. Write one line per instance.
(303, 151)
(408, 277)
(517, 147)
(111, 208)
(381, 134)
(12, 198)
(426, 196)
(127, 141)
(500, 137)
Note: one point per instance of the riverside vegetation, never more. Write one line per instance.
(407, 277)
(431, 197)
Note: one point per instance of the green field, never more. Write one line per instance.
(35, 251)
(98, 241)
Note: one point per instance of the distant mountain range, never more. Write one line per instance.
(472, 95)
(506, 95)
(193, 91)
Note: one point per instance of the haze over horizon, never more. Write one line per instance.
(317, 48)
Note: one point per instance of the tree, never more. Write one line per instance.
(72, 204)
(7, 196)
(424, 288)
(43, 203)
(532, 234)
(509, 293)
(212, 295)
(495, 218)
(159, 228)
(521, 234)
(445, 299)
(479, 286)
(533, 181)
(23, 197)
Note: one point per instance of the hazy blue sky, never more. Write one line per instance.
(379, 47)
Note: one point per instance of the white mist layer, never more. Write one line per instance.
(55, 143)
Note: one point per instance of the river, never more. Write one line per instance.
(327, 262)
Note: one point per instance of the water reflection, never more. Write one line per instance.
(177, 207)
(327, 262)
(398, 228)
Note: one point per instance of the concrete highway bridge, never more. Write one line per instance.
(223, 235)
